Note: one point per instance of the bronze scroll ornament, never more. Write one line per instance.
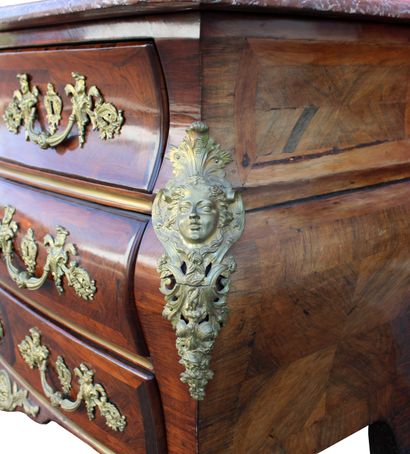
(94, 396)
(197, 217)
(12, 397)
(57, 261)
(86, 106)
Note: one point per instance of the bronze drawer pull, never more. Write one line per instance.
(86, 107)
(94, 396)
(57, 262)
(197, 217)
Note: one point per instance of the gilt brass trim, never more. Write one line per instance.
(57, 415)
(92, 395)
(87, 106)
(12, 397)
(197, 217)
(79, 190)
(57, 261)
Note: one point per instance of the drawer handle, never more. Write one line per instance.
(12, 397)
(93, 395)
(197, 217)
(86, 107)
(57, 261)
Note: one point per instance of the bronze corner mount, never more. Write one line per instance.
(197, 216)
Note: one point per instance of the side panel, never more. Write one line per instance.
(317, 342)
(306, 106)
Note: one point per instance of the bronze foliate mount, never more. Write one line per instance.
(12, 397)
(197, 217)
(57, 261)
(86, 106)
(94, 396)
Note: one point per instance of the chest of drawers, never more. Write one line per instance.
(205, 234)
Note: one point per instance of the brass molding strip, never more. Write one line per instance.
(134, 358)
(102, 196)
(71, 426)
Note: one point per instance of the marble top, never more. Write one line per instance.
(57, 11)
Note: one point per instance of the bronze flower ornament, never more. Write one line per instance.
(59, 252)
(11, 396)
(93, 395)
(197, 217)
(87, 105)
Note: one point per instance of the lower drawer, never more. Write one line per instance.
(116, 405)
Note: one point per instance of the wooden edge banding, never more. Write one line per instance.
(82, 190)
(135, 359)
(59, 418)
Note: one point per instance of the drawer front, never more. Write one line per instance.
(126, 75)
(116, 405)
(102, 242)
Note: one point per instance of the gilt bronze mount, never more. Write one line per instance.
(94, 396)
(57, 261)
(12, 397)
(86, 106)
(197, 217)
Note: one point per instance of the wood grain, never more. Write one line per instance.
(315, 114)
(307, 107)
(180, 410)
(106, 241)
(314, 348)
(129, 76)
(134, 392)
(177, 43)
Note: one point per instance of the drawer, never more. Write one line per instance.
(105, 242)
(127, 75)
(115, 405)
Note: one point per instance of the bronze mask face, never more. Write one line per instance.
(198, 215)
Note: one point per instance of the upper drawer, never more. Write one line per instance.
(127, 75)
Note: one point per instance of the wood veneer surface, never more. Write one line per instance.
(134, 392)
(315, 346)
(106, 240)
(127, 75)
(306, 107)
